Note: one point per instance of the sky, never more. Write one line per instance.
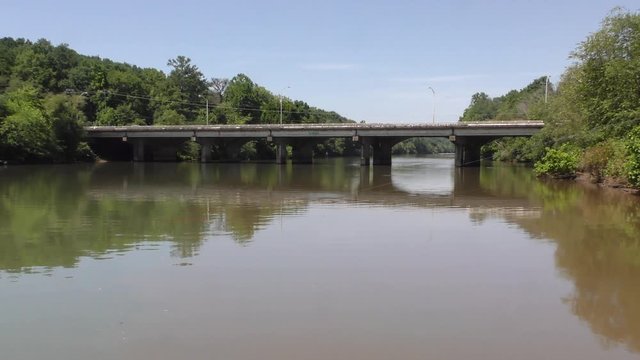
(368, 60)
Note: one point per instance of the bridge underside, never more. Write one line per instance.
(373, 151)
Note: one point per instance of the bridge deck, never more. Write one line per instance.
(496, 129)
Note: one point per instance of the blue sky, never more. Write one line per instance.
(368, 60)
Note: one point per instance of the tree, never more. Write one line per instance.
(66, 121)
(242, 95)
(25, 134)
(168, 117)
(189, 82)
(609, 74)
(218, 86)
(482, 107)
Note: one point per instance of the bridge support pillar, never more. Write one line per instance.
(468, 151)
(281, 152)
(138, 150)
(302, 151)
(365, 152)
(206, 149)
(382, 151)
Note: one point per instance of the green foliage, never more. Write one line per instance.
(606, 160)
(509, 149)
(248, 151)
(187, 85)
(67, 121)
(608, 68)
(633, 150)
(25, 134)
(121, 115)
(69, 90)
(595, 105)
(559, 163)
(189, 151)
(527, 103)
(482, 107)
(423, 146)
(168, 117)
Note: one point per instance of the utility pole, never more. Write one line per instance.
(288, 87)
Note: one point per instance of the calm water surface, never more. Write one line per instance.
(324, 261)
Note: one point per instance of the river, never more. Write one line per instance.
(326, 261)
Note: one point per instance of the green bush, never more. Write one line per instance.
(606, 160)
(84, 153)
(558, 163)
(189, 151)
(633, 161)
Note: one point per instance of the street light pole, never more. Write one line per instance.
(207, 101)
(433, 119)
(288, 87)
(546, 86)
(280, 109)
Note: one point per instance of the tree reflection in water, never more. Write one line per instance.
(51, 216)
(597, 234)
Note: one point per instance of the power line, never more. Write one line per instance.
(202, 104)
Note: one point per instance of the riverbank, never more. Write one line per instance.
(586, 179)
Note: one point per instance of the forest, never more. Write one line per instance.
(592, 115)
(48, 93)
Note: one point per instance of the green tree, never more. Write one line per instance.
(482, 107)
(67, 121)
(25, 134)
(242, 95)
(121, 115)
(609, 74)
(190, 84)
(168, 117)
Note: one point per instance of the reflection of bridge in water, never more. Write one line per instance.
(260, 184)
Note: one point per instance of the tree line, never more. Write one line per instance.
(592, 115)
(48, 93)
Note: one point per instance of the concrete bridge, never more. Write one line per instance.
(376, 140)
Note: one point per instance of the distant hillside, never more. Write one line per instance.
(47, 93)
(113, 93)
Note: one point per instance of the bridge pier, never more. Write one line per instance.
(468, 150)
(206, 150)
(281, 152)
(382, 152)
(138, 150)
(380, 148)
(365, 152)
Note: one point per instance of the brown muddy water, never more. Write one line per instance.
(324, 261)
